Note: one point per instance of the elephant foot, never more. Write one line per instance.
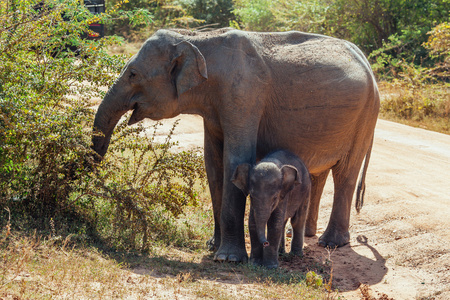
(271, 265)
(297, 252)
(266, 264)
(333, 239)
(231, 253)
(256, 261)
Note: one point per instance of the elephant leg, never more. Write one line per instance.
(214, 170)
(345, 177)
(256, 253)
(282, 248)
(232, 243)
(318, 183)
(298, 226)
(275, 229)
(298, 232)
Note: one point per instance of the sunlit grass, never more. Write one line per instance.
(34, 267)
(426, 105)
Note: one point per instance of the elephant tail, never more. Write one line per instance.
(362, 181)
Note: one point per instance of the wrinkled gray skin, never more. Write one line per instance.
(257, 92)
(279, 187)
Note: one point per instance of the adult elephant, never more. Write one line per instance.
(257, 92)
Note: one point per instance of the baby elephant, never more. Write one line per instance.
(279, 188)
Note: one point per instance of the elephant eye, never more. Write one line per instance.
(133, 74)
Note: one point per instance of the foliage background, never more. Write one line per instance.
(51, 78)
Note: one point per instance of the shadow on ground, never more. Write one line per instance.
(346, 267)
(349, 265)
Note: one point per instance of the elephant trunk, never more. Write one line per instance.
(262, 236)
(265, 243)
(108, 115)
(261, 230)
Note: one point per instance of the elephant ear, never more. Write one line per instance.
(290, 178)
(189, 67)
(240, 177)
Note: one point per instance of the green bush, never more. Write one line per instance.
(142, 185)
(439, 46)
(283, 15)
(47, 176)
(45, 93)
(160, 13)
(256, 15)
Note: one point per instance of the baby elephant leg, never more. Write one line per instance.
(257, 252)
(298, 228)
(282, 249)
(275, 229)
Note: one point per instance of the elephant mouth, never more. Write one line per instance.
(143, 110)
(137, 114)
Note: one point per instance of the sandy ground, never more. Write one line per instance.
(400, 242)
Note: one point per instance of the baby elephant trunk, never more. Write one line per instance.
(262, 236)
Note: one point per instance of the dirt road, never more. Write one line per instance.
(400, 242)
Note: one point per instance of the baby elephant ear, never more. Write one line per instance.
(188, 67)
(240, 177)
(290, 177)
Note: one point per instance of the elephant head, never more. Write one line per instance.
(152, 84)
(268, 184)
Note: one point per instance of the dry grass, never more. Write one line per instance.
(52, 267)
(34, 268)
(420, 105)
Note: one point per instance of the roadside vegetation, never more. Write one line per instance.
(420, 95)
(70, 228)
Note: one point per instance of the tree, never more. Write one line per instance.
(370, 23)
(439, 45)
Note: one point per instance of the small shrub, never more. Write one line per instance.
(145, 185)
(47, 174)
(313, 280)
